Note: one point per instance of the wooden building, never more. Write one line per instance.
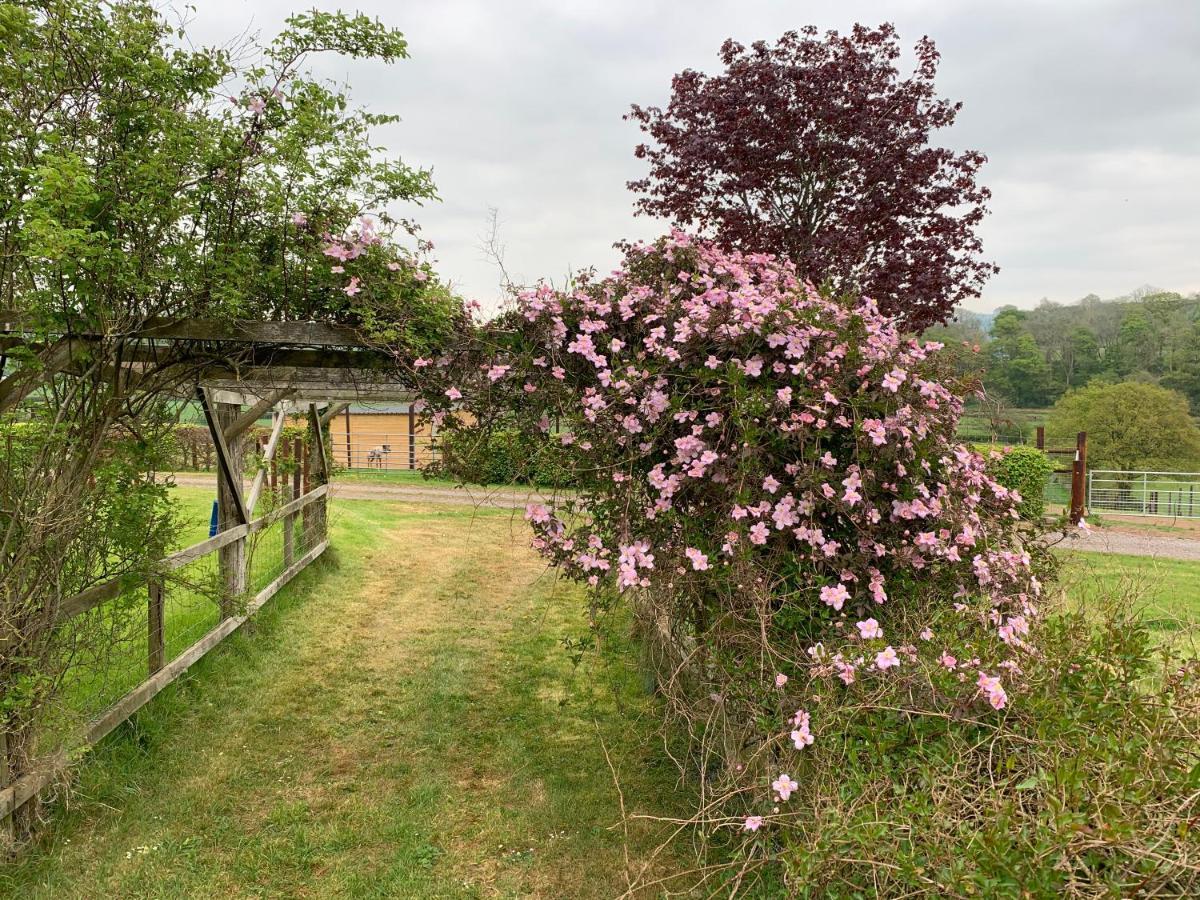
(385, 436)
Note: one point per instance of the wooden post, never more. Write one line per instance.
(7, 835)
(1079, 479)
(1041, 437)
(289, 532)
(297, 452)
(156, 637)
(231, 509)
(289, 521)
(349, 455)
(412, 437)
(316, 465)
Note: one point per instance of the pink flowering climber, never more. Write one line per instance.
(869, 629)
(802, 736)
(886, 659)
(990, 687)
(784, 786)
(835, 595)
(699, 560)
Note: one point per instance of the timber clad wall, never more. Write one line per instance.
(358, 436)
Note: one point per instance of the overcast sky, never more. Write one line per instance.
(1089, 112)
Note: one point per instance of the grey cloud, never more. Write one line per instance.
(1089, 113)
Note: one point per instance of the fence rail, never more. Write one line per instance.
(177, 623)
(1135, 493)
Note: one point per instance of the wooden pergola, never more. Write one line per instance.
(238, 372)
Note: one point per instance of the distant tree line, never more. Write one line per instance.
(1030, 358)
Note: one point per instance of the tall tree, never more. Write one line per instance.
(817, 150)
(1129, 425)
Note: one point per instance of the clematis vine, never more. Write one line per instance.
(770, 476)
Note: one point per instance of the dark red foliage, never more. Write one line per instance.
(816, 149)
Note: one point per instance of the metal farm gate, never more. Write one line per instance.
(1174, 495)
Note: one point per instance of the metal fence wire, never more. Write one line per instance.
(1167, 494)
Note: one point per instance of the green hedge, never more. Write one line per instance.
(1025, 470)
(503, 456)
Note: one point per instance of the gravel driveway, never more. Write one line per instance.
(1094, 541)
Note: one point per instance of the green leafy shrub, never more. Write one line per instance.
(1024, 470)
(501, 456)
(1088, 787)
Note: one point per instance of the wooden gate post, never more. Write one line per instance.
(1041, 437)
(231, 508)
(291, 490)
(1079, 479)
(317, 469)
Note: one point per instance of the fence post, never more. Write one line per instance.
(7, 835)
(231, 508)
(316, 467)
(156, 637)
(289, 521)
(1078, 478)
(1041, 437)
(412, 437)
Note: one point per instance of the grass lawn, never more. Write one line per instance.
(401, 721)
(1167, 589)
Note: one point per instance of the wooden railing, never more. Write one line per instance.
(161, 672)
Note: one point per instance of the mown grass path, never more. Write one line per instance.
(402, 721)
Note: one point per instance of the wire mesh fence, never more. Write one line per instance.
(114, 649)
(1166, 494)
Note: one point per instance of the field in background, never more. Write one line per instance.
(1019, 426)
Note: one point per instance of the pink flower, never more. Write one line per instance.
(893, 379)
(537, 513)
(926, 634)
(784, 786)
(802, 737)
(454, 393)
(752, 823)
(352, 288)
(421, 275)
(758, 533)
(699, 560)
(256, 104)
(835, 595)
(394, 266)
(948, 661)
(780, 680)
(495, 373)
(299, 219)
(886, 659)
(869, 629)
(770, 485)
(990, 686)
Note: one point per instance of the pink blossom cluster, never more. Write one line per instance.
(736, 435)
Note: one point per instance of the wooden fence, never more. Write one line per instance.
(303, 516)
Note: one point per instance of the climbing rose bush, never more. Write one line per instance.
(770, 476)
